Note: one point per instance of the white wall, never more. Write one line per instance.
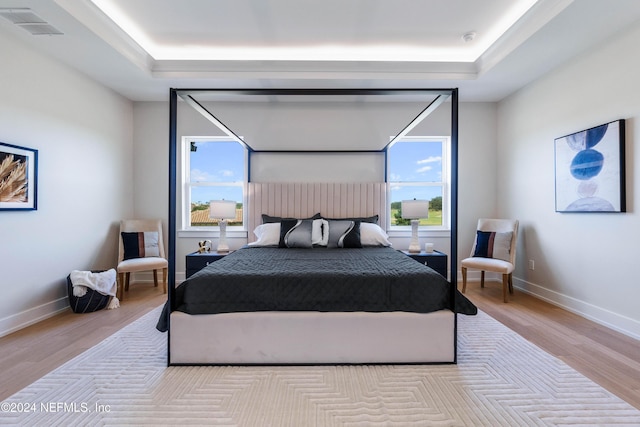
(584, 262)
(477, 171)
(83, 134)
(477, 138)
(151, 154)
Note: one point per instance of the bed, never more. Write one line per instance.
(276, 329)
(306, 291)
(310, 306)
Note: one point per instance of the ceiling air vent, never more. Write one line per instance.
(25, 18)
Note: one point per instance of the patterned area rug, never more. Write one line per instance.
(500, 380)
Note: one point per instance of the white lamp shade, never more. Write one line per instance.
(222, 209)
(415, 209)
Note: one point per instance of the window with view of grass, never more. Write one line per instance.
(417, 169)
(214, 169)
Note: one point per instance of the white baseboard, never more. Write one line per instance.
(147, 277)
(617, 322)
(33, 315)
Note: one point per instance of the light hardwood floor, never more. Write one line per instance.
(605, 356)
(32, 352)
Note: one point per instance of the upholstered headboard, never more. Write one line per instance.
(302, 200)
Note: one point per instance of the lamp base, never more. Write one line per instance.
(414, 246)
(414, 249)
(222, 242)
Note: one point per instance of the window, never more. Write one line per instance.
(214, 169)
(418, 169)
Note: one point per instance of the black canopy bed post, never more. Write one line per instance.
(172, 229)
(453, 258)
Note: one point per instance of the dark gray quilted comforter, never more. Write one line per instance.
(319, 279)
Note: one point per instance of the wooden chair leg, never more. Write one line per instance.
(464, 279)
(511, 283)
(127, 278)
(164, 280)
(505, 286)
(482, 279)
(120, 286)
(155, 278)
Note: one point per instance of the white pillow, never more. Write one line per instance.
(267, 234)
(320, 232)
(372, 235)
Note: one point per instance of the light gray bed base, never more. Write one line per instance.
(312, 338)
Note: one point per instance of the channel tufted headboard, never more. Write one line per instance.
(302, 200)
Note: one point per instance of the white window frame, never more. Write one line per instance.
(445, 184)
(186, 186)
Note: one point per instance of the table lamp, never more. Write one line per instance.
(414, 210)
(222, 210)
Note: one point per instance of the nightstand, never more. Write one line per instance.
(436, 260)
(196, 261)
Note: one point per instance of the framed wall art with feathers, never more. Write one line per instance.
(18, 177)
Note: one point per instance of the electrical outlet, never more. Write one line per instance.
(532, 265)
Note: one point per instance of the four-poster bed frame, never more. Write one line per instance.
(212, 339)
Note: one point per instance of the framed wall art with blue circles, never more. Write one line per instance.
(590, 169)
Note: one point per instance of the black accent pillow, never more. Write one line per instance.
(296, 233)
(140, 244)
(372, 219)
(269, 219)
(344, 234)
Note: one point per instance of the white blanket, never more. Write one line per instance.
(104, 282)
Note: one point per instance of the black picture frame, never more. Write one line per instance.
(590, 169)
(18, 178)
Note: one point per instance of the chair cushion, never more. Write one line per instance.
(488, 264)
(490, 244)
(140, 244)
(142, 264)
